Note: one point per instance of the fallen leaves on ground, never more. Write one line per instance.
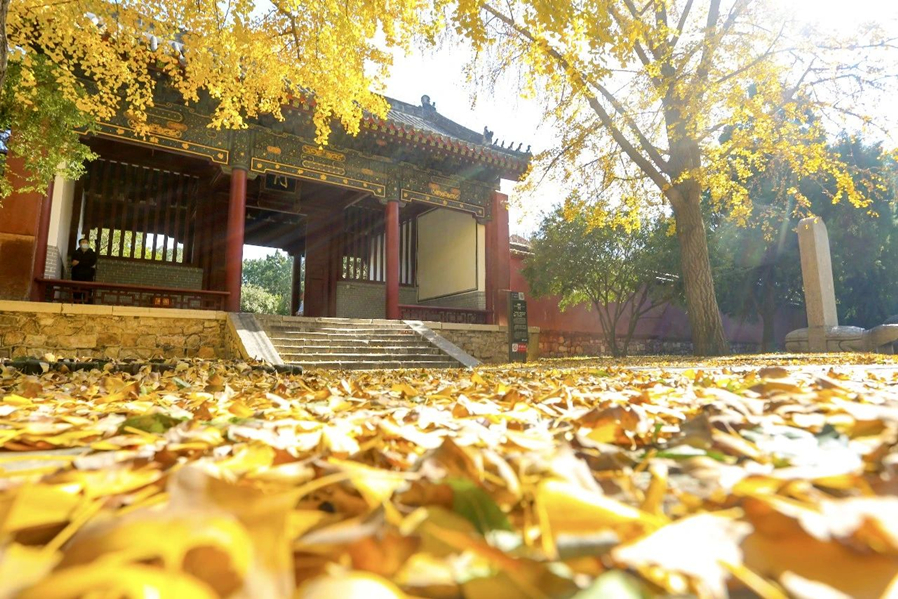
(555, 480)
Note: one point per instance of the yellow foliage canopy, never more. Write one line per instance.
(241, 58)
(246, 58)
(656, 101)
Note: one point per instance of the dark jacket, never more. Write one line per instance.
(87, 265)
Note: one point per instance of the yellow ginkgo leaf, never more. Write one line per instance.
(22, 565)
(352, 584)
(215, 548)
(240, 409)
(31, 506)
(565, 508)
(111, 481)
(374, 484)
(121, 581)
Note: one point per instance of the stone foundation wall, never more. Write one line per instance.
(76, 331)
(563, 344)
(488, 343)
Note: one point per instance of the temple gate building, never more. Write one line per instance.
(402, 221)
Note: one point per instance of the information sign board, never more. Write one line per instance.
(518, 335)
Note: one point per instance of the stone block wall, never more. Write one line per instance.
(92, 331)
(367, 300)
(488, 343)
(138, 272)
(563, 344)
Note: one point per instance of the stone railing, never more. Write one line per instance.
(117, 294)
(437, 314)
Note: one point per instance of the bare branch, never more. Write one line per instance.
(681, 23)
(647, 145)
(644, 163)
(708, 45)
(758, 60)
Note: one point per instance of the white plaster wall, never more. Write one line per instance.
(60, 219)
(450, 258)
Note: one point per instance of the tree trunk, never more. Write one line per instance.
(611, 340)
(4, 47)
(708, 338)
(768, 314)
(608, 324)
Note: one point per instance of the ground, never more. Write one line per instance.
(766, 476)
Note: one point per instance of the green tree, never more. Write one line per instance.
(757, 270)
(273, 274)
(621, 274)
(863, 244)
(258, 300)
(43, 129)
(758, 266)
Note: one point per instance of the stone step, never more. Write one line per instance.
(337, 331)
(336, 325)
(356, 344)
(369, 342)
(347, 355)
(342, 335)
(355, 349)
(326, 321)
(375, 365)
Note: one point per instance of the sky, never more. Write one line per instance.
(440, 75)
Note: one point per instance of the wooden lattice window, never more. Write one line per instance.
(140, 213)
(364, 247)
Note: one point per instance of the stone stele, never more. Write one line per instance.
(823, 333)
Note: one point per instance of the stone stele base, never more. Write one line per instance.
(882, 339)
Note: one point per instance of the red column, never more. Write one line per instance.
(392, 257)
(234, 248)
(40, 245)
(498, 260)
(490, 271)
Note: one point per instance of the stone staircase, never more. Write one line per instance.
(359, 344)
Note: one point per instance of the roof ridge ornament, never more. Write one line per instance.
(427, 105)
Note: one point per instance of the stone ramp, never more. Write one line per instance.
(359, 344)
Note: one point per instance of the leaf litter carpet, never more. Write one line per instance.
(585, 478)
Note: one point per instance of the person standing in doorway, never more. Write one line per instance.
(84, 268)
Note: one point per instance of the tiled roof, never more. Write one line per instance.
(409, 119)
(424, 126)
(519, 244)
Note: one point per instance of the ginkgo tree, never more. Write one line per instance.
(69, 63)
(658, 103)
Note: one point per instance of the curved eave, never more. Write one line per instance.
(507, 165)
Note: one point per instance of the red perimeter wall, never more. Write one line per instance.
(667, 323)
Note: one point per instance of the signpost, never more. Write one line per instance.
(518, 335)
